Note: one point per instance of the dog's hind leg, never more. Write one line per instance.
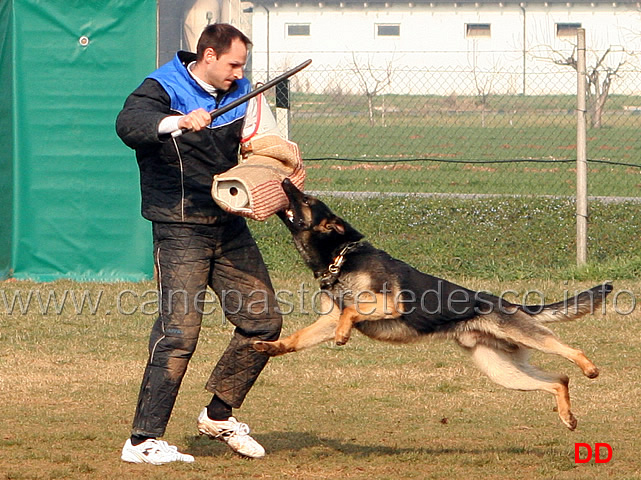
(553, 345)
(538, 337)
(511, 369)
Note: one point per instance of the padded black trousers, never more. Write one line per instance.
(190, 257)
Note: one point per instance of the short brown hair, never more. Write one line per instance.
(219, 37)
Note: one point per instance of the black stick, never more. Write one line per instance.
(218, 112)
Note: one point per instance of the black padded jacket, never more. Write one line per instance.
(176, 175)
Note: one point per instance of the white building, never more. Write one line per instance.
(514, 42)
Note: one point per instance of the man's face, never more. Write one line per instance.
(222, 70)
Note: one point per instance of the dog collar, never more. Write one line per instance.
(330, 276)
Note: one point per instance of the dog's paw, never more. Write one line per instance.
(570, 421)
(341, 338)
(591, 372)
(270, 348)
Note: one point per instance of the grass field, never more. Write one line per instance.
(514, 178)
(71, 371)
(459, 138)
(363, 411)
(428, 159)
(506, 127)
(512, 145)
(487, 238)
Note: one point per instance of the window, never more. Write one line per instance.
(477, 30)
(564, 30)
(388, 30)
(298, 30)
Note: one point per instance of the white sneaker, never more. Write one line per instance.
(232, 432)
(156, 452)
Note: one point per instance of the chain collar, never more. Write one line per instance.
(329, 278)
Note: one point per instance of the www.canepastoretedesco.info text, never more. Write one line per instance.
(304, 300)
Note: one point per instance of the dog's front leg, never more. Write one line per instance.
(368, 306)
(318, 332)
(345, 324)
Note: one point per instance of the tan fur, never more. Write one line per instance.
(368, 307)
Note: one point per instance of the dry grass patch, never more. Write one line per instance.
(363, 411)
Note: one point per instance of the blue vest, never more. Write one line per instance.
(186, 95)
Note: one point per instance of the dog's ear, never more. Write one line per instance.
(334, 223)
(337, 225)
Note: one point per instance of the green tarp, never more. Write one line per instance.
(70, 200)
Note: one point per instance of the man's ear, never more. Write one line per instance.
(210, 54)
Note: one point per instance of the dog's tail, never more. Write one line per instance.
(570, 308)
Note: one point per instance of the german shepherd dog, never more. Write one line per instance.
(388, 300)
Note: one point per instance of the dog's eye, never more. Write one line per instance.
(306, 201)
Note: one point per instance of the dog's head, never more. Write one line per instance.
(308, 216)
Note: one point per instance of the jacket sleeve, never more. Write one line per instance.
(137, 122)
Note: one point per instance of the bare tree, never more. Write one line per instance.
(599, 78)
(483, 84)
(483, 80)
(372, 80)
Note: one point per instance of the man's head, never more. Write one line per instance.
(221, 55)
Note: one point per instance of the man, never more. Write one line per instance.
(196, 244)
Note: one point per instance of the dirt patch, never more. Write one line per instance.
(369, 166)
(476, 168)
(541, 170)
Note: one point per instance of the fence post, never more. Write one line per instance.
(283, 107)
(581, 155)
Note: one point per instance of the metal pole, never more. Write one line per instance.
(524, 48)
(581, 155)
(267, 40)
(283, 106)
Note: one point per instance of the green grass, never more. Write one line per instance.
(462, 142)
(524, 178)
(487, 238)
(314, 103)
(506, 127)
(445, 138)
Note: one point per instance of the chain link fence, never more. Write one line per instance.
(465, 131)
